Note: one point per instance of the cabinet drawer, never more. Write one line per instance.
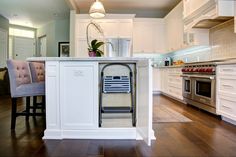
(227, 69)
(176, 80)
(175, 91)
(227, 85)
(227, 105)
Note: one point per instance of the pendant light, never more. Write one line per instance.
(97, 10)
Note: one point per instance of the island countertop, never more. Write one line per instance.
(100, 59)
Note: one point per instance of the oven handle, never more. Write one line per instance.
(211, 77)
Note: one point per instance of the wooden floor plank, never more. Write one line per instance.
(207, 135)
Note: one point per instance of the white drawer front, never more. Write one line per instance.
(227, 85)
(227, 69)
(175, 92)
(177, 80)
(227, 105)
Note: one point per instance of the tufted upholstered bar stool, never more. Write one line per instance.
(22, 86)
(37, 70)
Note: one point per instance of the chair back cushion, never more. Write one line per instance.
(37, 70)
(18, 73)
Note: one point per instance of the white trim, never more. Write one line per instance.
(108, 16)
(229, 120)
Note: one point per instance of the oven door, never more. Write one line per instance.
(204, 90)
(187, 87)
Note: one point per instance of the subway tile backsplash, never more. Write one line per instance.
(223, 41)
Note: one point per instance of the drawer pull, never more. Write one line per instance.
(228, 70)
(228, 86)
(226, 107)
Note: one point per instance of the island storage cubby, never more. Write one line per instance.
(117, 95)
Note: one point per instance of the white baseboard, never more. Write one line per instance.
(156, 92)
(228, 120)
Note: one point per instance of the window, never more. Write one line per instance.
(21, 33)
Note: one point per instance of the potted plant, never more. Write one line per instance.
(94, 50)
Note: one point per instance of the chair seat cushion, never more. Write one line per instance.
(32, 89)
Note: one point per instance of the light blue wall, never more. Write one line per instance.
(4, 23)
(55, 31)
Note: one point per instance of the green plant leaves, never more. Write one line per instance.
(93, 42)
(95, 47)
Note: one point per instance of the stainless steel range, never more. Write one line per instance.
(199, 85)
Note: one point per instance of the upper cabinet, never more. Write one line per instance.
(174, 29)
(113, 26)
(148, 35)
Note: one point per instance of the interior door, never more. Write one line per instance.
(43, 46)
(23, 48)
(3, 47)
(144, 100)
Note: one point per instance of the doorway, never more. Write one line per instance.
(3, 47)
(23, 48)
(43, 46)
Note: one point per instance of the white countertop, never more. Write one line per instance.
(103, 59)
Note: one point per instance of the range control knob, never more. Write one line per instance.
(200, 70)
(209, 69)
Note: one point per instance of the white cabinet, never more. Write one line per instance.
(192, 5)
(156, 80)
(206, 13)
(148, 35)
(112, 27)
(174, 82)
(171, 82)
(79, 95)
(226, 92)
(174, 29)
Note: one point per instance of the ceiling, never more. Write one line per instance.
(33, 13)
(142, 8)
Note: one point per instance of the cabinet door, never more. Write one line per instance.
(144, 100)
(79, 95)
(143, 37)
(81, 26)
(174, 28)
(110, 28)
(137, 38)
(125, 29)
(156, 79)
(81, 48)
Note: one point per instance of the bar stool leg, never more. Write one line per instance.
(43, 103)
(27, 108)
(34, 105)
(13, 113)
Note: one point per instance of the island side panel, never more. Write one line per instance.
(53, 121)
(144, 100)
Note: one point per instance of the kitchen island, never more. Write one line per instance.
(72, 99)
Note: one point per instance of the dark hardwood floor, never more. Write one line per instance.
(207, 135)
